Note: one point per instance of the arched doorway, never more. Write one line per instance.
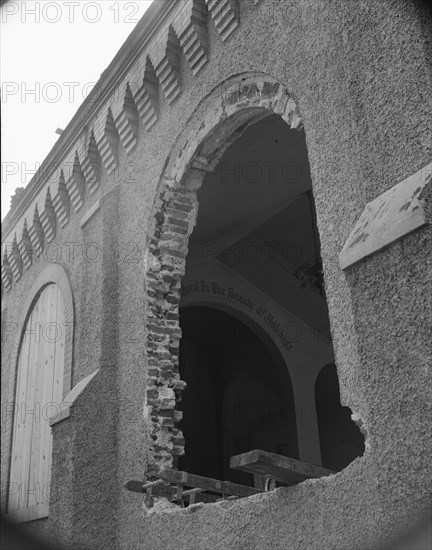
(238, 397)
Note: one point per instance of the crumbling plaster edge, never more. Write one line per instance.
(163, 506)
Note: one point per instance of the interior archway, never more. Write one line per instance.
(256, 219)
(239, 395)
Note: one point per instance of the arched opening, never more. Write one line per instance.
(239, 394)
(341, 440)
(252, 242)
(255, 230)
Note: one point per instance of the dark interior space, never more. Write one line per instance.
(260, 225)
(238, 398)
(341, 440)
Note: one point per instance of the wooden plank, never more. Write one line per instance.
(30, 412)
(18, 432)
(208, 484)
(37, 366)
(168, 491)
(59, 352)
(39, 382)
(38, 389)
(53, 388)
(281, 468)
(28, 514)
(43, 472)
(161, 489)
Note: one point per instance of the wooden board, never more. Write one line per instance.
(281, 468)
(168, 491)
(38, 390)
(208, 484)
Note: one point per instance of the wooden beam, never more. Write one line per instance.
(170, 491)
(281, 468)
(208, 484)
(157, 490)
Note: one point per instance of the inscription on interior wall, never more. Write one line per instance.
(287, 333)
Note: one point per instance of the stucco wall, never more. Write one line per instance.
(359, 74)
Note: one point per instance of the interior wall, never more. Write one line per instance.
(237, 398)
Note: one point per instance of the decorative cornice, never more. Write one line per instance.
(127, 122)
(61, 202)
(127, 56)
(146, 99)
(125, 97)
(226, 14)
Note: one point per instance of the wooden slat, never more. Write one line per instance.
(137, 487)
(39, 383)
(29, 411)
(37, 390)
(44, 469)
(18, 432)
(281, 468)
(208, 484)
(59, 351)
(53, 389)
(168, 491)
(38, 366)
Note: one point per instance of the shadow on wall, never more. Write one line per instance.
(238, 397)
(418, 538)
(14, 538)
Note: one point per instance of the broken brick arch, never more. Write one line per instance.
(219, 120)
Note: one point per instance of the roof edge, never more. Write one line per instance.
(138, 40)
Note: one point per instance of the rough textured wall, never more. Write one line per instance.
(359, 73)
(362, 87)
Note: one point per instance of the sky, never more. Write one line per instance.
(52, 53)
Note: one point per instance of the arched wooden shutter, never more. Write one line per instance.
(39, 392)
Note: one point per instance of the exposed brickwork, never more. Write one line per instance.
(166, 264)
